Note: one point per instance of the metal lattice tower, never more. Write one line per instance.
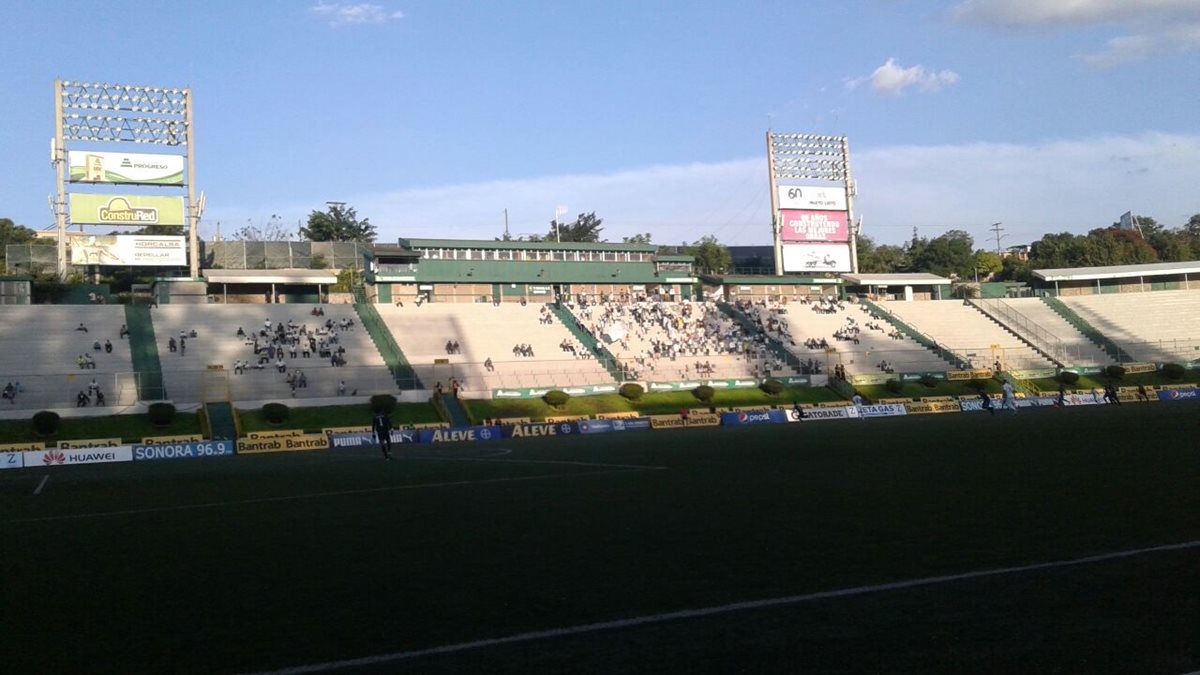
(809, 157)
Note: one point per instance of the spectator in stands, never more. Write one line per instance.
(171, 345)
(81, 400)
(82, 327)
(96, 346)
(487, 364)
(454, 387)
(99, 397)
(341, 389)
(182, 346)
(89, 362)
(10, 393)
(241, 333)
(107, 346)
(123, 332)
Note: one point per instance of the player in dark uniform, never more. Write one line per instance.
(381, 424)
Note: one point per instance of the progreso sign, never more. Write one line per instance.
(182, 450)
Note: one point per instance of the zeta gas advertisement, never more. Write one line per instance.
(125, 168)
(125, 210)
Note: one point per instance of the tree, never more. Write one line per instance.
(637, 239)
(711, 256)
(272, 230)
(160, 230)
(987, 263)
(884, 259)
(585, 228)
(338, 223)
(11, 233)
(948, 254)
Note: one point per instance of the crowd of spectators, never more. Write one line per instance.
(277, 344)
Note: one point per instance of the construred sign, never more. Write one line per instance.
(806, 226)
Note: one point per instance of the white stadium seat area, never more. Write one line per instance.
(880, 348)
(1159, 326)
(677, 341)
(484, 331)
(40, 346)
(1052, 332)
(217, 344)
(969, 333)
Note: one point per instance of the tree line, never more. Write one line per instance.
(954, 253)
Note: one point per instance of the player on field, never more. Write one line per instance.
(381, 424)
(1010, 398)
(986, 401)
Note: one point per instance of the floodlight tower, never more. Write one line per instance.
(101, 112)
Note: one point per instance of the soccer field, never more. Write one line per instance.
(936, 544)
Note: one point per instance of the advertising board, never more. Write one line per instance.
(871, 378)
(822, 198)
(883, 410)
(460, 435)
(79, 443)
(816, 258)
(822, 414)
(358, 439)
(125, 168)
(283, 444)
(1133, 368)
(182, 450)
(128, 249)
(61, 457)
(93, 209)
(977, 374)
(12, 460)
(704, 419)
(935, 407)
(805, 226)
(1178, 394)
(543, 429)
(745, 417)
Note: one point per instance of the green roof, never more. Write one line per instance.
(767, 280)
(675, 258)
(542, 272)
(390, 251)
(525, 245)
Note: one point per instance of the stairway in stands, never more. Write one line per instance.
(1089, 331)
(143, 351)
(402, 370)
(454, 410)
(589, 342)
(222, 425)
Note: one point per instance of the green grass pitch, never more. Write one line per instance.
(257, 563)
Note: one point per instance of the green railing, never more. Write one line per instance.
(751, 327)
(589, 342)
(917, 336)
(143, 352)
(1089, 331)
(393, 356)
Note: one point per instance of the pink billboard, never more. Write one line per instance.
(801, 226)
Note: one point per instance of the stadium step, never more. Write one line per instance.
(1021, 327)
(402, 370)
(143, 351)
(917, 336)
(222, 426)
(458, 416)
(751, 327)
(591, 343)
(1089, 331)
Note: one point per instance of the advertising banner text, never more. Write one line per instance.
(125, 168)
(806, 226)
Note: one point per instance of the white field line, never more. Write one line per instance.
(316, 495)
(719, 609)
(42, 484)
(551, 462)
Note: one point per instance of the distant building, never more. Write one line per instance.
(1020, 252)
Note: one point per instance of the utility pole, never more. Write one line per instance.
(997, 230)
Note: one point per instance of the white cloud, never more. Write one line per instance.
(891, 79)
(1128, 48)
(1149, 27)
(345, 14)
(1039, 13)
(1067, 185)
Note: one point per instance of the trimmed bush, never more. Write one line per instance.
(632, 391)
(383, 403)
(1067, 377)
(704, 393)
(929, 381)
(1115, 372)
(893, 385)
(773, 387)
(275, 413)
(1173, 371)
(45, 422)
(161, 414)
(556, 398)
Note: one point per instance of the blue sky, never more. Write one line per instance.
(432, 117)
